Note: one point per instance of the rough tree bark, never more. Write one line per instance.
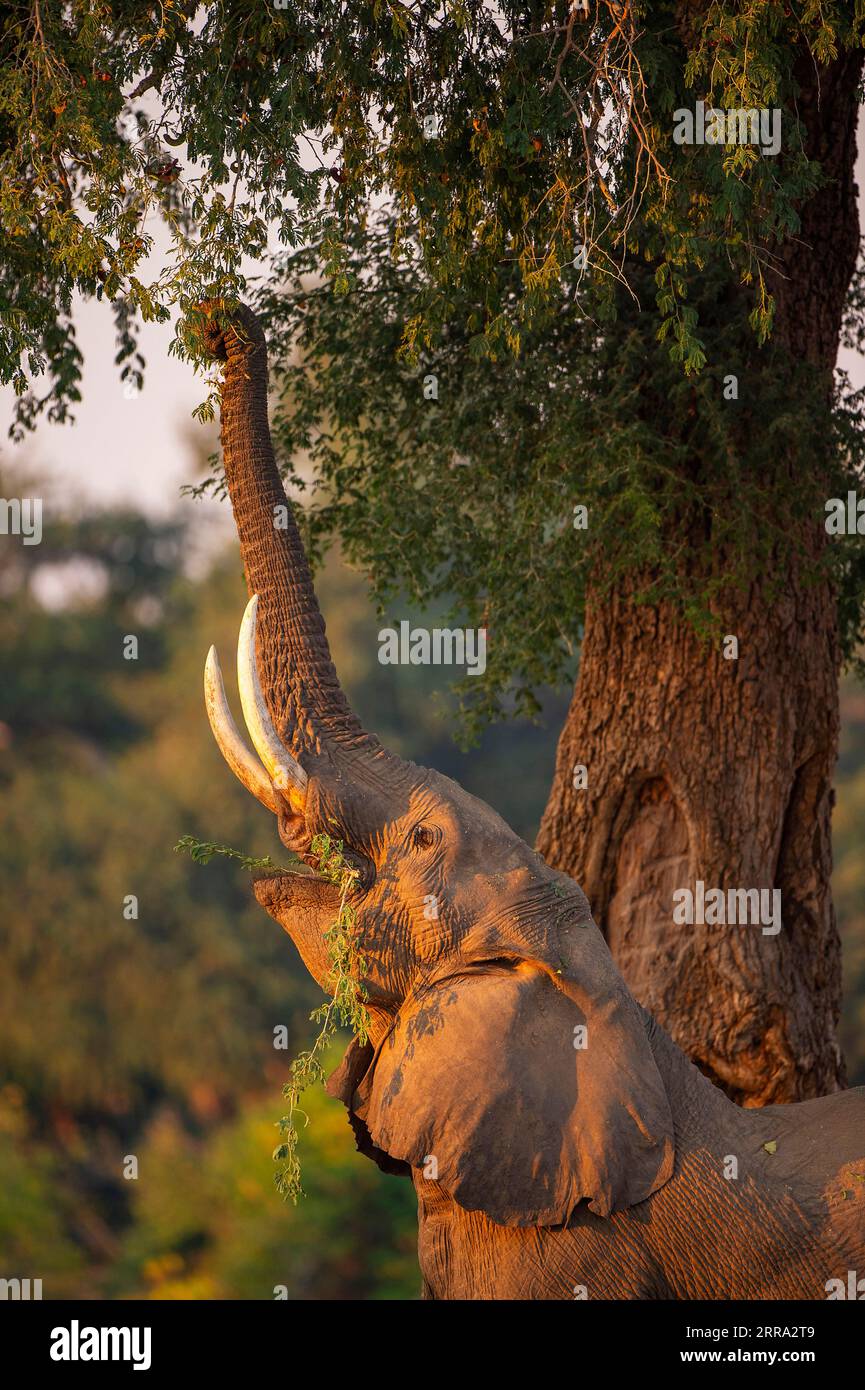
(720, 770)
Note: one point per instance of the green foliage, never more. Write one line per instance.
(202, 851)
(88, 817)
(225, 120)
(37, 1207)
(451, 250)
(467, 501)
(68, 665)
(208, 1223)
(345, 1008)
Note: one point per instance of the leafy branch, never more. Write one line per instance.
(202, 851)
(346, 1008)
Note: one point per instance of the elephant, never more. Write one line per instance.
(561, 1146)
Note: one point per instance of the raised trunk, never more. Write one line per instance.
(297, 674)
(703, 768)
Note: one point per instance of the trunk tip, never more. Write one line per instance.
(225, 329)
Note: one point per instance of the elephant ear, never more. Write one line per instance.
(528, 1099)
(342, 1084)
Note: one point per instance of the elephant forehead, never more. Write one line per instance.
(540, 920)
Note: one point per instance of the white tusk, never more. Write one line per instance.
(243, 764)
(285, 772)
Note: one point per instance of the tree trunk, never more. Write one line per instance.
(720, 770)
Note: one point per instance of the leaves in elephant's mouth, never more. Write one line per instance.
(346, 1008)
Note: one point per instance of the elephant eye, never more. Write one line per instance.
(424, 837)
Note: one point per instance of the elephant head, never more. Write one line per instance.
(503, 1042)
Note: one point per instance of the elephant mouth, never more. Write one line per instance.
(282, 889)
